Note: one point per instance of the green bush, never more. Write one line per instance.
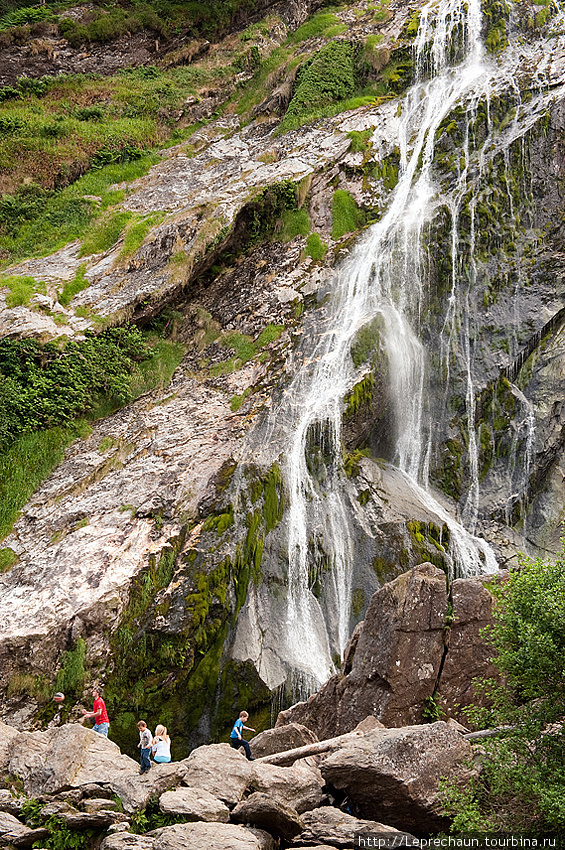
(520, 788)
(328, 78)
(315, 248)
(347, 217)
(46, 386)
(27, 15)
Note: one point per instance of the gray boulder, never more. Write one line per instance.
(281, 738)
(299, 786)
(195, 804)
(64, 757)
(136, 790)
(336, 828)
(394, 775)
(127, 841)
(275, 817)
(203, 836)
(468, 655)
(219, 769)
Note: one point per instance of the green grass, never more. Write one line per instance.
(74, 286)
(21, 289)
(7, 559)
(322, 25)
(347, 217)
(105, 233)
(50, 221)
(315, 248)
(159, 368)
(294, 223)
(27, 463)
(245, 348)
(136, 231)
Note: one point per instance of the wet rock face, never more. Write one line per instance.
(406, 654)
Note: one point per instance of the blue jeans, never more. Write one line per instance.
(102, 728)
(236, 743)
(145, 758)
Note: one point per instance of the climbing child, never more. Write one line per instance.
(145, 741)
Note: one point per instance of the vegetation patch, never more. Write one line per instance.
(347, 217)
(520, 786)
(28, 461)
(315, 248)
(330, 77)
(74, 286)
(21, 289)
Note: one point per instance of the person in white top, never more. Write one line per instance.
(161, 746)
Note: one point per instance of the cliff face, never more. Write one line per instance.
(218, 538)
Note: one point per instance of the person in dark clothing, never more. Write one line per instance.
(236, 738)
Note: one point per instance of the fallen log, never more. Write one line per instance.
(487, 733)
(290, 756)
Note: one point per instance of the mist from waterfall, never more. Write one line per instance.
(385, 277)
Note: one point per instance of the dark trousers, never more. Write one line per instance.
(236, 743)
(145, 758)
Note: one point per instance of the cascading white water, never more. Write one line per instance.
(385, 277)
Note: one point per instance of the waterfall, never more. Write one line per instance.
(385, 277)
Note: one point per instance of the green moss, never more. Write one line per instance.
(315, 248)
(219, 523)
(351, 461)
(346, 215)
(7, 559)
(361, 394)
(360, 140)
(429, 543)
(366, 341)
(357, 602)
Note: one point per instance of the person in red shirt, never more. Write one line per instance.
(101, 721)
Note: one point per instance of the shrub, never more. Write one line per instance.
(347, 217)
(520, 788)
(315, 248)
(46, 386)
(327, 78)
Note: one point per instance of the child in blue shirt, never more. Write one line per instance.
(236, 738)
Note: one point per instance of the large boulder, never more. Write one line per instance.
(194, 804)
(219, 769)
(393, 775)
(275, 817)
(336, 828)
(127, 841)
(394, 664)
(65, 757)
(8, 734)
(299, 786)
(281, 738)
(469, 655)
(135, 791)
(203, 836)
